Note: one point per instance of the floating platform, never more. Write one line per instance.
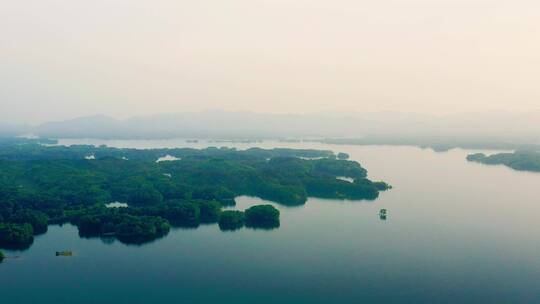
(382, 214)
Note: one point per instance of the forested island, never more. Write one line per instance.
(436, 143)
(519, 160)
(42, 185)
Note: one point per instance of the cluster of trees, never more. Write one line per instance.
(30, 149)
(135, 225)
(342, 155)
(183, 213)
(519, 160)
(43, 185)
(262, 216)
(16, 236)
(258, 217)
(18, 226)
(37, 219)
(127, 228)
(231, 220)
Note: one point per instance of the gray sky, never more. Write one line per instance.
(65, 58)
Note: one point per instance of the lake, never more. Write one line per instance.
(456, 232)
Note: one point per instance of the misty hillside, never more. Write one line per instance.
(206, 124)
(8, 130)
(521, 127)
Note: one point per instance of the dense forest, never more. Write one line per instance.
(520, 160)
(40, 149)
(42, 185)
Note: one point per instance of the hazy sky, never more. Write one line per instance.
(64, 58)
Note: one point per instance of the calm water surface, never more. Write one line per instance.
(456, 232)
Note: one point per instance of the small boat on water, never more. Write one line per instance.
(382, 214)
(64, 253)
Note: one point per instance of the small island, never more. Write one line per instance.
(43, 185)
(262, 216)
(519, 160)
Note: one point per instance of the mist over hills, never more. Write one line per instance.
(515, 127)
(7, 130)
(209, 124)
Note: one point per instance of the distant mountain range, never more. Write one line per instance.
(522, 127)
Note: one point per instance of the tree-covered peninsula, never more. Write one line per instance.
(520, 160)
(41, 185)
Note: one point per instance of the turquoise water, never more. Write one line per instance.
(456, 232)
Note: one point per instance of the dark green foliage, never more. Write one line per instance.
(262, 216)
(16, 236)
(2, 256)
(91, 225)
(182, 213)
(20, 149)
(477, 157)
(146, 194)
(127, 228)
(334, 168)
(520, 160)
(231, 220)
(381, 186)
(37, 219)
(342, 155)
(41, 185)
(210, 211)
(335, 188)
(224, 196)
(46, 185)
(284, 194)
(141, 229)
(217, 193)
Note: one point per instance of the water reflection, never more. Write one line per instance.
(435, 249)
(241, 203)
(126, 240)
(108, 240)
(16, 247)
(267, 226)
